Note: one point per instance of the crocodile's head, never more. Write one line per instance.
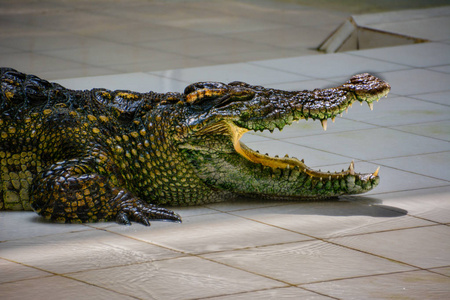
(219, 115)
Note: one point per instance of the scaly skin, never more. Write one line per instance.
(86, 156)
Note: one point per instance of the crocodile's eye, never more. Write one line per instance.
(216, 94)
(200, 92)
(234, 95)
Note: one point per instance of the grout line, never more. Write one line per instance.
(433, 270)
(418, 134)
(268, 289)
(327, 240)
(54, 274)
(374, 275)
(408, 190)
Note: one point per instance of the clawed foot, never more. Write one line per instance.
(134, 209)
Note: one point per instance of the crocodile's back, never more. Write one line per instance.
(89, 155)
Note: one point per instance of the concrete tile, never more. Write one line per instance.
(252, 137)
(176, 62)
(417, 81)
(269, 52)
(27, 224)
(66, 20)
(436, 97)
(34, 63)
(251, 74)
(12, 26)
(176, 278)
(210, 233)
(394, 111)
(312, 128)
(407, 285)
(312, 157)
(292, 262)
(116, 54)
(279, 293)
(245, 203)
(280, 12)
(87, 251)
(444, 271)
(138, 33)
(325, 219)
(330, 65)
(223, 24)
(6, 50)
(437, 130)
(204, 46)
(434, 29)
(425, 247)
(416, 55)
(443, 69)
(53, 41)
(430, 203)
(56, 287)
(372, 144)
(402, 15)
(86, 71)
(304, 85)
(138, 82)
(16, 272)
(285, 37)
(434, 165)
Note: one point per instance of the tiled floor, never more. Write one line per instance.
(392, 243)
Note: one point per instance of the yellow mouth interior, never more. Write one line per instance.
(237, 132)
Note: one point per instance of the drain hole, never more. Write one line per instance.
(350, 36)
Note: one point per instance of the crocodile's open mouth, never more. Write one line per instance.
(223, 161)
(285, 162)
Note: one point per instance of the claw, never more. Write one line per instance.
(122, 218)
(137, 210)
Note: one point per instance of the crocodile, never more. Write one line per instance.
(76, 156)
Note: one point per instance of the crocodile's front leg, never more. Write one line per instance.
(71, 192)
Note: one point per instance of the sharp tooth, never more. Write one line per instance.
(333, 118)
(350, 104)
(371, 105)
(351, 168)
(376, 172)
(324, 124)
(360, 103)
(346, 110)
(342, 114)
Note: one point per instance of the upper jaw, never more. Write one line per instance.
(280, 108)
